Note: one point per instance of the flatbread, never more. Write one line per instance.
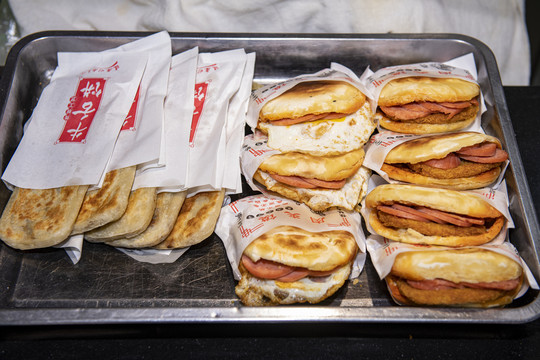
(196, 221)
(102, 206)
(35, 219)
(135, 220)
(168, 207)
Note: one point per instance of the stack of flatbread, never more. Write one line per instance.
(113, 214)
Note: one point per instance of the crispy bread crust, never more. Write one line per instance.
(35, 219)
(410, 89)
(135, 220)
(328, 168)
(196, 221)
(314, 97)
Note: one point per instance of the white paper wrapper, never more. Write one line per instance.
(261, 96)
(75, 124)
(236, 122)
(178, 114)
(244, 220)
(73, 247)
(140, 139)
(218, 78)
(497, 198)
(380, 145)
(463, 68)
(154, 256)
(383, 253)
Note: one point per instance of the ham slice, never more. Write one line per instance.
(302, 182)
(425, 214)
(484, 149)
(270, 270)
(305, 118)
(498, 156)
(450, 161)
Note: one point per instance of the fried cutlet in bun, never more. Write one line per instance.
(425, 105)
(458, 161)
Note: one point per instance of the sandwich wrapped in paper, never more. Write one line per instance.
(427, 98)
(434, 216)
(457, 161)
(283, 253)
(315, 127)
(483, 276)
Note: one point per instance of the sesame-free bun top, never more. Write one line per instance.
(417, 89)
(435, 147)
(314, 97)
(293, 246)
(440, 199)
(328, 168)
(471, 265)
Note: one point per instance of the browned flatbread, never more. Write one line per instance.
(168, 207)
(135, 220)
(102, 206)
(40, 218)
(196, 221)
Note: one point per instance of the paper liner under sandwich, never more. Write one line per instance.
(383, 253)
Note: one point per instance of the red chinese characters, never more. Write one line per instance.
(200, 97)
(129, 122)
(82, 109)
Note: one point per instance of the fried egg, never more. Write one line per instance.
(323, 137)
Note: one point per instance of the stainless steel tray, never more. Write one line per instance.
(44, 287)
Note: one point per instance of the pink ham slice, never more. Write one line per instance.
(450, 161)
(425, 214)
(305, 118)
(499, 156)
(301, 182)
(440, 284)
(485, 149)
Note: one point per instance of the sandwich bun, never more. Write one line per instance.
(400, 161)
(313, 98)
(405, 92)
(463, 277)
(446, 203)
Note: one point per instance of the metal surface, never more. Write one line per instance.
(106, 286)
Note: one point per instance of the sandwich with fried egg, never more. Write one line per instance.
(288, 265)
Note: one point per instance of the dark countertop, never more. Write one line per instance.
(313, 341)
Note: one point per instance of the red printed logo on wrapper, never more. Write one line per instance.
(200, 97)
(82, 109)
(129, 122)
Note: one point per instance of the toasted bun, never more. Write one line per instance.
(471, 265)
(196, 221)
(289, 245)
(405, 294)
(258, 292)
(107, 204)
(435, 147)
(326, 168)
(35, 219)
(314, 97)
(441, 199)
(135, 220)
(321, 199)
(410, 89)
